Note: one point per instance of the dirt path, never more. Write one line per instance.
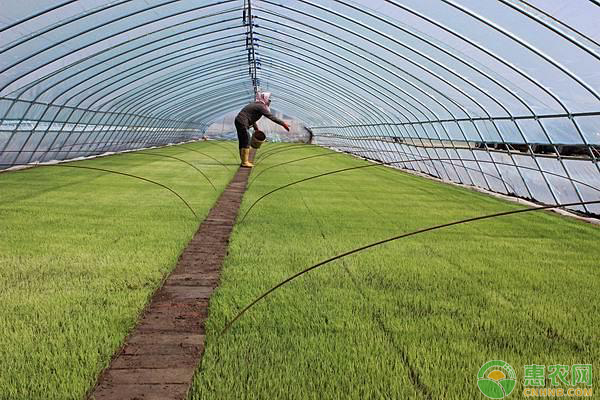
(161, 354)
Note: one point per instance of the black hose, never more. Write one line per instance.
(132, 176)
(420, 159)
(270, 149)
(276, 147)
(289, 162)
(222, 146)
(380, 163)
(281, 150)
(178, 159)
(207, 155)
(463, 221)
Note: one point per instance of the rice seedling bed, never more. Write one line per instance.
(82, 251)
(414, 318)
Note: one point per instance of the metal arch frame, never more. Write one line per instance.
(127, 112)
(518, 128)
(154, 93)
(320, 65)
(89, 44)
(292, 100)
(215, 49)
(503, 62)
(506, 64)
(358, 135)
(299, 104)
(305, 105)
(9, 26)
(319, 83)
(417, 109)
(124, 43)
(204, 94)
(418, 79)
(187, 82)
(170, 90)
(190, 111)
(485, 51)
(103, 51)
(471, 43)
(103, 88)
(550, 27)
(423, 105)
(343, 92)
(526, 45)
(139, 11)
(140, 94)
(420, 53)
(63, 23)
(389, 83)
(113, 106)
(556, 65)
(441, 160)
(370, 40)
(370, 87)
(62, 93)
(477, 70)
(213, 80)
(116, 138)
(526, 76)
(208, 49)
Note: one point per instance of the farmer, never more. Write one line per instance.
(248, 117)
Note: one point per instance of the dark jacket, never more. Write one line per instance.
(253, 112)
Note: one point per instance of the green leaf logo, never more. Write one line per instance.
(496, 379)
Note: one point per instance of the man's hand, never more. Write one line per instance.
(286, 127)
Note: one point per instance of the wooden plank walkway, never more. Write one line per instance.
(161, 354)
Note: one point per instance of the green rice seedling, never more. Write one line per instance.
(415, 318)
(81, 253)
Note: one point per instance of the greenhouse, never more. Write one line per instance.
(299, 199)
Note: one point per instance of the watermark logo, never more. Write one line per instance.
(535, 382)
(496, 379)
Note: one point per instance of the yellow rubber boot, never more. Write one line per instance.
(244, 156)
